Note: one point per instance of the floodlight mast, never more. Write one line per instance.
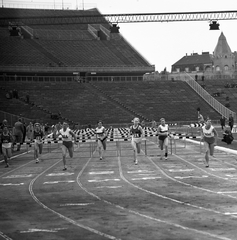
(121, 18)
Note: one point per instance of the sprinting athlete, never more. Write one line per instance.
(67, 145)
(136, 132)
(163, 132)
(38, 141)
(6, 140)
(209, 136)
(101, 136)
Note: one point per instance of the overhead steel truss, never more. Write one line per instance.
(121, 18)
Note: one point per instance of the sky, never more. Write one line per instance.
(161, 44)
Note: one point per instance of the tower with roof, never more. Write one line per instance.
(223, 58)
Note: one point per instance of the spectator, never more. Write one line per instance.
(17, 94)
(3, 124)
(27, 98)
(24, 133)
(231, 121)
(18, 133)
(11, 94)
(29, 131)
(200, 118)
(227, 136)
(222, 122)
(14, 93)
(8, 95)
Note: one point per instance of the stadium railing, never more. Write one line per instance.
(69, 78)
(220, 108)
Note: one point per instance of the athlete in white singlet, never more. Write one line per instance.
(67, 136)
(163, 132)
(136, 133)
(209, 136)
(101, 136)
(38, 141)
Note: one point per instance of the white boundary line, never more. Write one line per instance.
(187, 184)
(173, 200)
(140, 214)
(60, 215)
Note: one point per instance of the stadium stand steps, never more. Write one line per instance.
(49, 55)
(175, 101)
(111, 45)
(120, 104)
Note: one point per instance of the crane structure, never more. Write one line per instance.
(85, 18)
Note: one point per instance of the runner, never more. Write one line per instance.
(136, 132)
(38, 141)
(163, 132)
(101, 136)
(6, 139)
(209, 136)
(67, 135)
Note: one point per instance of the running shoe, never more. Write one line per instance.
(65, 168)
(136, 162)
(7, 166)
(166, 158)
(37, 160)
(101, 158)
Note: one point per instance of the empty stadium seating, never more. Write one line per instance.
(76, 102)
(175, 101)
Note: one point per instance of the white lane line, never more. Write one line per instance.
(223, 169)
(164, 197)
(103, 172)
(109, 187)
(62, 216)
(104, 180)
(54, 182)
(231, 175)
(11, 184)
(59, 174)
(140, 171)
(19, 176)
(229, 213)
(32, 230)
(203, 176)
(146, 174)
(228, 192)
(75, 204)
(145, 178)
(5, 236)
(181, 170)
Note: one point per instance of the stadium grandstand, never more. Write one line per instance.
(84, 72)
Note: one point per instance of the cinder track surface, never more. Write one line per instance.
(115, 199)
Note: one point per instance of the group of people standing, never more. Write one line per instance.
(8, 138)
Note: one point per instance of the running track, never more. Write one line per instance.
(115, 199)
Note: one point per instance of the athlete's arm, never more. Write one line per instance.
(202, 134)
(142, 132)
(215, 134)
